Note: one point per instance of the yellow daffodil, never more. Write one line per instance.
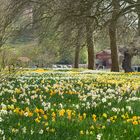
(61, 112)
(37, 120)
(135, 122)
(94, 117)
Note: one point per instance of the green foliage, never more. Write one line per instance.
(8, 56)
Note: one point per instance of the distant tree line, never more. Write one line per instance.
(74, 23)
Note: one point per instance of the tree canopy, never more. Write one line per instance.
(71, 25)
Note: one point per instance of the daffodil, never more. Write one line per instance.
(104, 115)
(37, 120)
(81, 132)
(61, 112)
(135, 122)
(94, 117)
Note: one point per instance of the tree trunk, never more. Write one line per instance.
(112, 35)
(77, 54)
(126, 64)
(77, 49)
(138, 11)
(3, 59)
(139, 24)
(113, 47)
(1, 42)
(90, 45)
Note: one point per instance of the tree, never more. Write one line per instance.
(112, 34)
(132, 50)
(134, 47)
(8, 56)
(74, 23)
(77, 48)
(90, 45)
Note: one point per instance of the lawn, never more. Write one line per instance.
(70, 105)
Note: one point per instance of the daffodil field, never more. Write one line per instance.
(45, 105)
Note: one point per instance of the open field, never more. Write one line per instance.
(46, 105)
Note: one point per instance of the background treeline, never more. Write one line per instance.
(66, 31)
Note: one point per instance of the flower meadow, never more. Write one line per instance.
(41, 105)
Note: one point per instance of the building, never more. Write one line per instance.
(103, 59)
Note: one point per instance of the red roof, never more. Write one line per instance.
(105, 54)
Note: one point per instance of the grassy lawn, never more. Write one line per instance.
(70, 105)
